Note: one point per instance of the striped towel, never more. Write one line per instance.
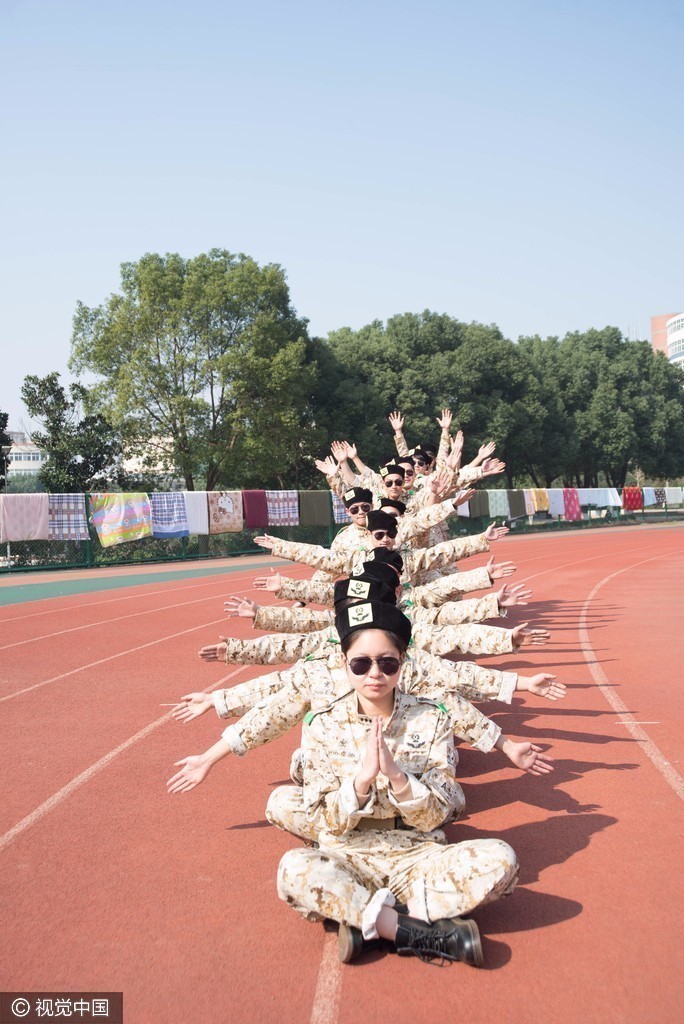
(24, 517)
(283, 508)
(315, 508)
(255, 509)
(498, 504)
(67, 519)
(119, 518)
(573, 511)
(225, 511)
(169, 518)
(340, 514)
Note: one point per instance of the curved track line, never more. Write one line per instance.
(326, 1001)
(119, 618)
(112, 657)
(669, 773)
(61, 794)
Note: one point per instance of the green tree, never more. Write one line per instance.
(5, 442)
(83, 448)
(205, 367)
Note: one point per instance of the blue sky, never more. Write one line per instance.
(515, 163)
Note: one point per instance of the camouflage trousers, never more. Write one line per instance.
(349, 878)
(285, 809)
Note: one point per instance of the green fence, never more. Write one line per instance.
(27, 556)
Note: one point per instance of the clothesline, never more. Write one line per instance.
(122, 517)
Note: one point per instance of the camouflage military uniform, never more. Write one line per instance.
(416, 561)
(388, 849)
(438, 638)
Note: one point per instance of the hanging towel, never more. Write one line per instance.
(659, 495)
(464, 509)
(119, 518)
(498, 504)
(516, 503)
(540, 499)
(197, 512)
(613, 499)
(571, 501)
(340, 514)
(632, 499)
(649, 497)
(255, 509)
(25, 517)
(479, 505)
(315, 508)
(588, 496)
(529, 504)
(225, 511)
(169, 518)
(556, 503)
(283, 508)
(67, 519)
(673, 495)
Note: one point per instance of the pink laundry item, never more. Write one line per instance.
(25, 517)
(571, 502)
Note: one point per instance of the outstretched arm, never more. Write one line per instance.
(195, 768)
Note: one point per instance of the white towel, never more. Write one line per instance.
(588, 495)
(25, 517)
(464, 509)
(197, 510)
(529, 503)
(649, 496)
(673, 495)
(556, 501)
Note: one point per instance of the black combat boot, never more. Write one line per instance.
(452, 938)
(349, 943)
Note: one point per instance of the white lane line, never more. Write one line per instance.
(670, 774)
(112, 657)
(119, 618)
(326, 1001)
(61, 794)
(213, 580)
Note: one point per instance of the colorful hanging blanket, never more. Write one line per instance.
(632, 499)
(556, 502)
(225, 511)
(67, 519)
(571, 501)
(516, 503)
(540, 499)
(498, 504)
(197, 512)
(340, 514)
(255, 508)
(315, 508)
(24, 517)
(169, 518)
(119, 518)
(283, 508)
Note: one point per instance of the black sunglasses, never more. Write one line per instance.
(393, 483)
(355, 509)
(421, 462)
(387, 665)
(381, 534)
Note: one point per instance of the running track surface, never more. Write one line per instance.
(111, 885)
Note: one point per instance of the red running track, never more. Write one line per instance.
(109, 884)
